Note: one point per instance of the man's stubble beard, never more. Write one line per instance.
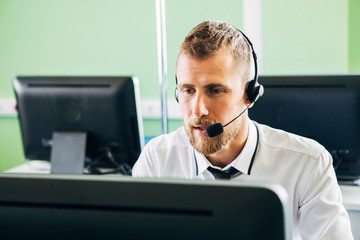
(207, 145)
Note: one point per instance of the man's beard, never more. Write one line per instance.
(207, 145)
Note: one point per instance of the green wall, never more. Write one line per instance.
(118, 37)
(305, 37)
(78, 37)
(11, 153)
(354, 36)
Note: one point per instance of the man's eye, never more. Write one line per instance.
(188, 91)
(215, 91)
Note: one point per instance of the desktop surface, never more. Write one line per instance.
(115, 207)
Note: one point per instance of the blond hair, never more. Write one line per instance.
(212, 37)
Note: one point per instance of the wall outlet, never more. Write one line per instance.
(8, 107)
(151, 109)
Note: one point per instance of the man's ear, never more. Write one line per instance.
(248, 103)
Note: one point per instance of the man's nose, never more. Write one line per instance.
(199, 107)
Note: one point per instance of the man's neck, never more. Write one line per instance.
(230, 152)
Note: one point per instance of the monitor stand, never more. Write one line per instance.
(68, 152)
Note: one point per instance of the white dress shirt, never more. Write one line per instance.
(302, 166)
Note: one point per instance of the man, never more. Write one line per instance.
(214, 70)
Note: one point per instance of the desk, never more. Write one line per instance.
(40, 167)
(351, 194)
(351, 201)
(351, 197)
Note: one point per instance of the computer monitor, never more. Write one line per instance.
(324, 108)
(115, 207)
(75, 120)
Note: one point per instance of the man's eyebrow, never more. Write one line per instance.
(207, 86)
(217, 85)
(186, 85)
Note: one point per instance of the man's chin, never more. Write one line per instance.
(207, 145)
(204, 144)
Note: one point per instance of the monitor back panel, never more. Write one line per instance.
(103, 208)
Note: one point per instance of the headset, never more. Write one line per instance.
(254, 89)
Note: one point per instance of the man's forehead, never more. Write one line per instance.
(185, 58)
(213, 65)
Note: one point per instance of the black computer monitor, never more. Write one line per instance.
(324, 108)
(114, 207)
(72, 120)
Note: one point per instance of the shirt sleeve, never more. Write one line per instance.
(321, 212)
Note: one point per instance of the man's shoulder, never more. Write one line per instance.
(286, 141)
(164, 155)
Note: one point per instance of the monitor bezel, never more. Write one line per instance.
(343, 82)
(106, 88)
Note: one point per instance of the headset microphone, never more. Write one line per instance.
(217, 128)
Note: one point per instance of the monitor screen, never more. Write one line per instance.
(77, 121)
(324, 108)
(115, 207)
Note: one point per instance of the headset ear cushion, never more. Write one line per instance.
(251, 91)
(176, 94)
(254, 91)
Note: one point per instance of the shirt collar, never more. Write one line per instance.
(242, 162)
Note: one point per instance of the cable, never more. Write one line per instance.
(105, 156)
